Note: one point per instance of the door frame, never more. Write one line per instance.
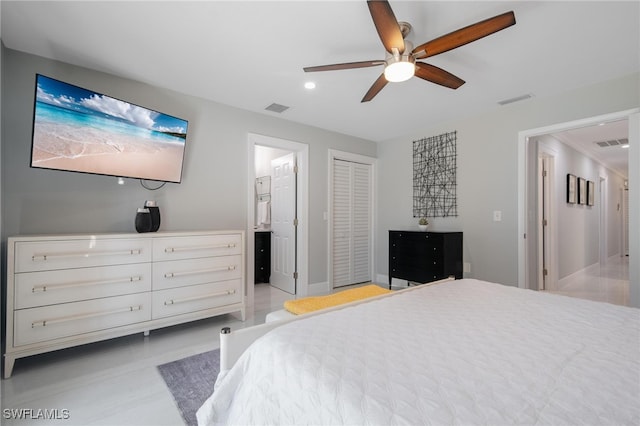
(302, 203)
(548, 155)
(355, 158)
(524, 136)
(624, 223)
(603, 247)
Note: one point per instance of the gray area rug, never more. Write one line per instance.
(191, 381)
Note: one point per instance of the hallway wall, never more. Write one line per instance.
(578, 226)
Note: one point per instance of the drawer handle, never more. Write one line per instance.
(199, 271)
(45, 323)
(45, 257)
(43, 288)
(203, 296)
(195, 248)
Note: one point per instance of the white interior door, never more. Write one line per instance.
(625, 222)
(351, 223)
(283, 230)
(547, 239)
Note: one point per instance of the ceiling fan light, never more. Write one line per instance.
(399, 71)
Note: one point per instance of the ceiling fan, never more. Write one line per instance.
(401, 62)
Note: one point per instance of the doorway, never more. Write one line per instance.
(351, 219)
(527, 262)
(297, 208)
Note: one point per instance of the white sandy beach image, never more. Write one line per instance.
(56, 146)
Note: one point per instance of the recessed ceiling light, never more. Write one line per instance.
(624, 146)
(310, 85)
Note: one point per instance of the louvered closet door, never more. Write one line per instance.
(351, 255)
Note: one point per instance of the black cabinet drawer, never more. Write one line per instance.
(416, 256)
(417, 274)
(262, 253)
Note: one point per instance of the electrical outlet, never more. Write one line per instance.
(497, 216)
(467, 267)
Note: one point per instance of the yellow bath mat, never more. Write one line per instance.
(310, 304)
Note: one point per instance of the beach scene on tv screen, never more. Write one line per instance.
(80, 130)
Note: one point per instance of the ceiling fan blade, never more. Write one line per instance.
(464, 35)
(437, 75)
(387, 25)
(344, 66)
(375, 88)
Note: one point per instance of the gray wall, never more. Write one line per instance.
(212, 195)
(487, 163)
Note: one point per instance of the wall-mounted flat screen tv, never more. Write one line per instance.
(79, 130)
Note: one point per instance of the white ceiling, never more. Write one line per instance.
(585, 139)
(251, 54)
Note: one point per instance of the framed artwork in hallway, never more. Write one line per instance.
(571, 188)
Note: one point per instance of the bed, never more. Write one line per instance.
(457, 352)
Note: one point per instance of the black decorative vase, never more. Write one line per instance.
(154, 210)
(143, 220)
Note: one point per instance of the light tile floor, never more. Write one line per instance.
(116, 382)
(603, 283)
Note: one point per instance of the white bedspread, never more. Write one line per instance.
(463, 352)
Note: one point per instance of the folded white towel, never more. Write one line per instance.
(264, 213)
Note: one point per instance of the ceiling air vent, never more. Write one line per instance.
(516, 99)
(612, 142)
(277, 108)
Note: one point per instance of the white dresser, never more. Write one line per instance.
(68, 290)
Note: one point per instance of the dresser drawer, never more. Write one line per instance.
(71, 285)
(194, 298)
(414, 244)
(180, 273)
(190, 247)
(70, 319)
(417, 274)
(425, 257)
(80, 253)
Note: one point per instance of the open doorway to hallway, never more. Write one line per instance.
(581, 239)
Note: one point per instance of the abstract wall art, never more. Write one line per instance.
(434, 176)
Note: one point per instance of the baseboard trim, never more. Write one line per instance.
(397, 282)
(562, 281)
